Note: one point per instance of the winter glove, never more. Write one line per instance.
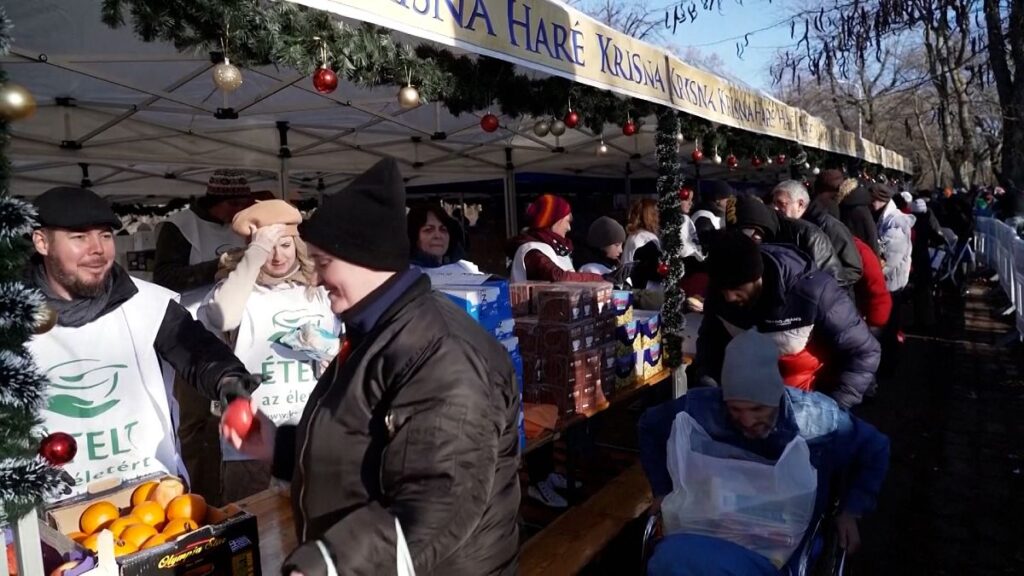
(267, 236)
(308, 559)
(237, 386)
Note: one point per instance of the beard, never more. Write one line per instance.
(76, 285)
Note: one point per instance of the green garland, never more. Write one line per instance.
(255, 33)
(673, 320)
(25, 479)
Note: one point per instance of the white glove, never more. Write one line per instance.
(267, 236)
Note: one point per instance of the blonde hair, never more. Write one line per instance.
(643, 216)
(305, 275)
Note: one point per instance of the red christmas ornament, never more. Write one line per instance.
(629, 128)
(572, 119)
(662, 269)
(325, 80)
(732, 161)
(685, 194)
(239, 417)
(489, 123)
(58, 448)
(756, 162)
(697, 156)
(780, 159)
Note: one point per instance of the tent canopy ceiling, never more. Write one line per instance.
(142, 117)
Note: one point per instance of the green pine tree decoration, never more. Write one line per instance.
(25, 478)
(673, 320)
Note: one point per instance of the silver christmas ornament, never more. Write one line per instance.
(542, 128)
(816, 171)
(408, 97)
(557, 127)
(227, 76)
(717, 159)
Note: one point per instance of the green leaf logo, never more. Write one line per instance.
(290, 320)
(83, 388)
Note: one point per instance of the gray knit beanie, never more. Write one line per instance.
(750, 371)
(604, 232)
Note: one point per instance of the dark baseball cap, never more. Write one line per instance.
(74, 209)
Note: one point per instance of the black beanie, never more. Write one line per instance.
(751, 212)
(715, 190)
(734, 260)
(364, 224)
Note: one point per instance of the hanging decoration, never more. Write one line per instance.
(542, 128)
(408, 97)
(602, 148)
(732, 161)
(662, 270)
(685, 193)
(489, 123)
(629, 128)
(572, 118)
(780, 159)
(227, 76)
(58, 448)
(16, 103)
(816, 171)
(325, 80)
(768, 160)
(670, 192)
(717, 159)
(697, 156)
(756, 162)
(557, 127)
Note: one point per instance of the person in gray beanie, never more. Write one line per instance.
(753, 412)
(411, 435)
(604, 238)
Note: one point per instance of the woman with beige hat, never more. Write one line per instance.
(268, 307)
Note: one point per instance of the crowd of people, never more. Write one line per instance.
(395, 417)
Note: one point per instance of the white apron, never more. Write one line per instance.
(636, 241)
(110, 390)
(716, 220)
(519, 261)
(209, 240)
(290, 376)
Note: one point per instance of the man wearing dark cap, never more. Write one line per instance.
(752, 414)
(709, 215)
(117, 344)
(188, 249)
(823, 342)
(764, 224)
(411, 436)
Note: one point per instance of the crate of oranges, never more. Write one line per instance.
(159, 528)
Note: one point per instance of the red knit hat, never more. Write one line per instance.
(547, 210)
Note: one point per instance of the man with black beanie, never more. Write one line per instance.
(823, 342)
(709, 215)
(411, 436)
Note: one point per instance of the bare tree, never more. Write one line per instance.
(638, 18)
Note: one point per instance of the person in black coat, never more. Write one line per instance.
(765, 225)
(412, 432)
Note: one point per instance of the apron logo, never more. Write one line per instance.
(83, 387)
(290, 320)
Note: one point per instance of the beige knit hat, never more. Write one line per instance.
(267, 213)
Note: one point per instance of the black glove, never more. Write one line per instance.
(236, 386)
(306, 559)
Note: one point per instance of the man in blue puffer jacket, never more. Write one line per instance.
(755, 412)
(823, 342)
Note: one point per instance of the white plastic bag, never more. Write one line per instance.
(725, 492)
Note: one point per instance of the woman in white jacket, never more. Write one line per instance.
(894, 237)
(266, 292)
(642, 227)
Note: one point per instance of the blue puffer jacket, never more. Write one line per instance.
(809, 316)
(850, 456)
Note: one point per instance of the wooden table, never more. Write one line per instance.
(273, 511)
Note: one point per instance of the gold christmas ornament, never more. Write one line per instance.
(408, 97)
(227, 76)
(16, 103)
(46, 319)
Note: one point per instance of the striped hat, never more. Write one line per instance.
(228, 183)
(547, 210)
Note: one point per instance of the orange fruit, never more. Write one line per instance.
(118, 526)
(91, 542)
(98, 516)
(122, 548)
(149, 513)
(137, 534)
(77, 536)
(188, 507)
(179, 526)
(167, 490)
(143, 492)
(154, 541)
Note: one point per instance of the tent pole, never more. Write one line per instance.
(284, 153)
(628, 186)
(283, 180)
(511, 212)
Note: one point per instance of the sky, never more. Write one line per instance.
(717, 32)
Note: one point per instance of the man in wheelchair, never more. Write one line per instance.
(742, 473)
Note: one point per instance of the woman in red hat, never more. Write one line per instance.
(544, 252)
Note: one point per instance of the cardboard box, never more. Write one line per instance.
(521, 297)
(557, 303)
(628, 339)
(652, 365)
(571, 402)
(483, 303)
(649, 323)
(228, 545)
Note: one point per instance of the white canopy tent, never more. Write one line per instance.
(139, 122)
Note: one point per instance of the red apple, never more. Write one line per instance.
(239, 417)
